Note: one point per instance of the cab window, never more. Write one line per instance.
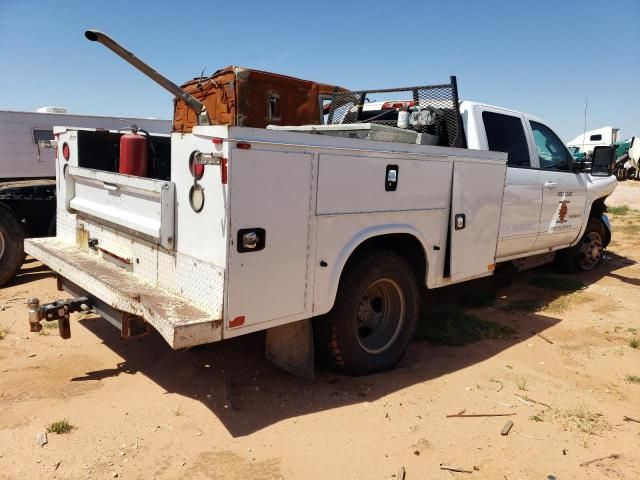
(505, 133)
(552, 153)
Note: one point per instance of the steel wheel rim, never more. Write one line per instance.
(380, 315)
(591, 250)
(1, 244)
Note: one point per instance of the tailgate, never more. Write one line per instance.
(140, 206)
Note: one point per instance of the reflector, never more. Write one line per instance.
(196, 198)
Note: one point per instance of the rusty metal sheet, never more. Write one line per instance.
(253, 98)
(177, 320)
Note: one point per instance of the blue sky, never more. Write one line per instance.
(541, 57)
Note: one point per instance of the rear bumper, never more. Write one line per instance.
(178, 321)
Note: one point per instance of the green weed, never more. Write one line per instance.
(619, 210)
(60, 427)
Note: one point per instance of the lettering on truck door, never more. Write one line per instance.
(564, 193)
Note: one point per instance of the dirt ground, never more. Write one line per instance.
(567, 378)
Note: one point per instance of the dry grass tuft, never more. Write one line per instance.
(522, 384)
(567, 302)
(579, 419)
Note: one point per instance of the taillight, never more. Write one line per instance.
(217, 140)
(196, 169)
(243, 145)
(65, 151)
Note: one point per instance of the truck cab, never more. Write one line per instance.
(547, 198)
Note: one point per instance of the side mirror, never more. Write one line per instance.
(602, 161)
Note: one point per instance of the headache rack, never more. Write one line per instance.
(438, 103)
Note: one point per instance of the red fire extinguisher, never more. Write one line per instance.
(133, 154)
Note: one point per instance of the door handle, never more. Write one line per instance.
(251, 239)
(550, 184)
(111, 186)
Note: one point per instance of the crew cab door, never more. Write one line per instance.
(564, 193)
(504, 131)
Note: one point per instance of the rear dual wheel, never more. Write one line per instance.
(374, 315)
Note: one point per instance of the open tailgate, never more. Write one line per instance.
(139, 206)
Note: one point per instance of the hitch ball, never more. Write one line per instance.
(59, 310)
(34, 315)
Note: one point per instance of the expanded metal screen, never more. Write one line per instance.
(381, 107)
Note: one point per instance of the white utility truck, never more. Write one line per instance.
(27, 173)
(266, 229)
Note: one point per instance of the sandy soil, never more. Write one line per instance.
(141, 411)
(626, 193)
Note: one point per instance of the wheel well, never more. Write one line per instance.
(403, 244)
(598, 207)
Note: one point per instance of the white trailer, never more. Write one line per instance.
(258, 229)
(22, 156)
(27, 173)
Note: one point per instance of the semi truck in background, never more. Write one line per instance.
(320, 234)
(627, 151)
(27, 173)
(586, 142)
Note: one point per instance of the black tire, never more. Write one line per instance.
(11, 246)
(374, 315)
(587, 253)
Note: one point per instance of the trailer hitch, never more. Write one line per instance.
(59, 310)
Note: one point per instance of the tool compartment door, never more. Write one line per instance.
(477, 192)
(270, 196)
